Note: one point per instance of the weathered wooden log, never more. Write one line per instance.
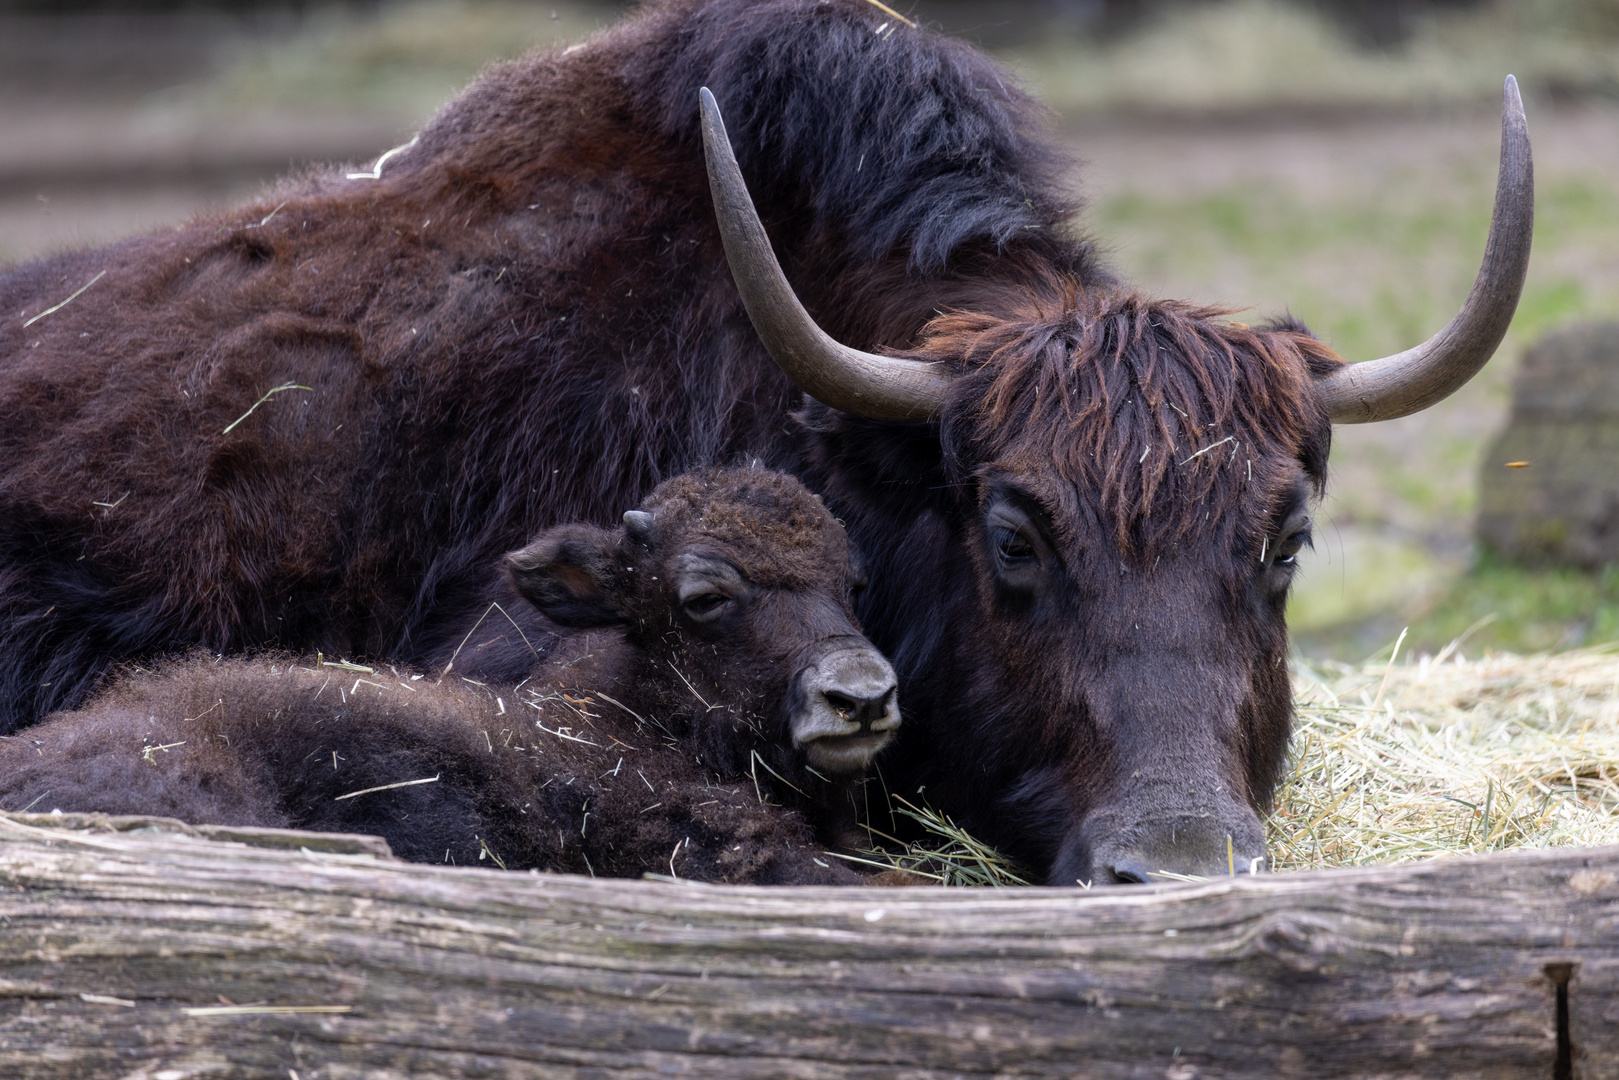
(164, 954)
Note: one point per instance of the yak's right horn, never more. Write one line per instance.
(862, 383)
(1417, 378)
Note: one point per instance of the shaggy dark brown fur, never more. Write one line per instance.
(649, 744)
(1080, 572)
(1116, 394)
(527, 319)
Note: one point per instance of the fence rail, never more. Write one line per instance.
(144, 948)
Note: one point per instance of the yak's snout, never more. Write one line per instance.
(845, 706)
(1158, 848)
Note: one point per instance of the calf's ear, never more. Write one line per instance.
(571, 573)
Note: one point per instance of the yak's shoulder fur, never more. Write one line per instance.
(862, 136)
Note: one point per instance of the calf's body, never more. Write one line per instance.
(715, 705)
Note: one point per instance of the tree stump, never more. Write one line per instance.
(1559, 502)
(137, 948)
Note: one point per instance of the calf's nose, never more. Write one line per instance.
(864, 703)
(846, 708)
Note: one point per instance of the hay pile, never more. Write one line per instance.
(1399, 762)
(1450, 756)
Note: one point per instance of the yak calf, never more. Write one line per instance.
(728, 670)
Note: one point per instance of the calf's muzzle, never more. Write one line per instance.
(844, 706)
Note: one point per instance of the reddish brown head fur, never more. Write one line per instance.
(1137, 406)
(1097, 559)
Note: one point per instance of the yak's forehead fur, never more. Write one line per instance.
(1158, 418)
(767, 522)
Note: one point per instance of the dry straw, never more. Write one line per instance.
(1450, 756)
(944, 853)
(1399, 762)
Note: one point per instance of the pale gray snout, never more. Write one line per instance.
(845, 708)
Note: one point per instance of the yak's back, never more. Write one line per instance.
(315, 421)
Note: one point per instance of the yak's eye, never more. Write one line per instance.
(1019, 549)
(1014, 547)
(1286, 552)
(706, 604)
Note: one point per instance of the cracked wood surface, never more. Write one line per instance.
(136, 948)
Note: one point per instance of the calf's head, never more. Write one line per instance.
(734, 589)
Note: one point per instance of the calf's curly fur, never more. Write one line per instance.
(653, 740)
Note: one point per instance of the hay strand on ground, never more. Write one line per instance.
(946, 853)
(1395, 763)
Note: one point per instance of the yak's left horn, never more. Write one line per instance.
(1417, 378)
(862, 383)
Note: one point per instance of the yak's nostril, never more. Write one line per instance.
(862, 709)
(1131, 873)
(841, 704)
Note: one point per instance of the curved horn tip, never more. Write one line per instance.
(866, 384)
(708, 114)
(1512, 114)
(1407, 382)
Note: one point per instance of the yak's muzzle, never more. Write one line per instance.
(1170, 844)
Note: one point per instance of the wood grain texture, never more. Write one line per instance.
(1434, 970)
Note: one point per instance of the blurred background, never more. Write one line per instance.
(1330, 158)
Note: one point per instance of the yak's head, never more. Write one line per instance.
(735, 590)
(1131, 483)
(1122, 487)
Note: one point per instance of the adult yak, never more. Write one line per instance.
(315, 422)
